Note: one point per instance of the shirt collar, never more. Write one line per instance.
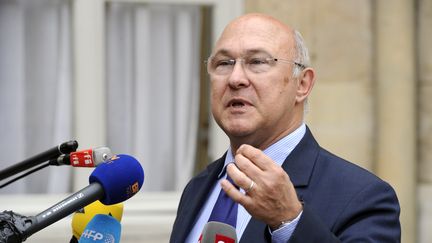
(278, 151)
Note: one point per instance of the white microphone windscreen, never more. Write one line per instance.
(217, 232)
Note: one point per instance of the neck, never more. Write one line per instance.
(262, 141)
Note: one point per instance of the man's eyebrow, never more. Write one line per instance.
(257, 51)
(225, 52)
(221, 52)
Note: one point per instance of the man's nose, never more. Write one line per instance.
(238, 77)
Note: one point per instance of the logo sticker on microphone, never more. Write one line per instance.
(132, 189)
(114, 157)
(223, 239)
(97, 236)
(135, 188)
(83, 158)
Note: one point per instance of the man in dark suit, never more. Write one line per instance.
(286, 187)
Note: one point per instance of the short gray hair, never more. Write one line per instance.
(302, 57)
(301, 53)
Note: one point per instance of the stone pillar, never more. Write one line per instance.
(395, 104)
(425, 120)
(89, 75)
(338, 35)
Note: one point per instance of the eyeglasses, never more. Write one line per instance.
(224, 66)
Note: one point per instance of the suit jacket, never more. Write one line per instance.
(342, 202)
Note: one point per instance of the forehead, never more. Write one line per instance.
(255, 34)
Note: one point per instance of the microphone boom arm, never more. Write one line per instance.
(64, 148)
(64, 208)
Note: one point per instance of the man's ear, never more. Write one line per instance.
(304, 84)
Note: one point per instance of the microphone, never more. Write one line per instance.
(112, 182)
(82, 217)
(52, 153)
(217, 232)
(84, 158)
(102, 228)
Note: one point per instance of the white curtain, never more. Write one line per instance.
(153, 89)
(35, 88)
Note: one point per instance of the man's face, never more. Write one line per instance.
(253, 107)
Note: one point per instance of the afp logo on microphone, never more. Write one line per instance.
(94, 236)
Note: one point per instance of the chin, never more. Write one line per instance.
(238, 130)
(238, 127)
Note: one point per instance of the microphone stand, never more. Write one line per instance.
(64, 148)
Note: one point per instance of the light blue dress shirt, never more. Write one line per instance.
(278, 152)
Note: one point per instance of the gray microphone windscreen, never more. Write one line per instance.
(102, 154)
(217, 232)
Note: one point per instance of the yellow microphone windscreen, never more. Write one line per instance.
(81, 217)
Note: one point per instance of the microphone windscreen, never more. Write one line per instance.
(101, 154)
(82, 217)
(121, 177)
(102, 228)
(218, 232)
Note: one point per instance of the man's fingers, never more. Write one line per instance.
(256, 156)
(239, 177)
(247, 167)
(234, 193)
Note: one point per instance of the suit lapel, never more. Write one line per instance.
(301, 161)
(200, 187)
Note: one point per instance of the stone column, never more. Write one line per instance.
(425, 120)
(89, 74)
(395, 104)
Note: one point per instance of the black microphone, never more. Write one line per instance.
(112, 182)
(83, 158)
(64, 148)
(218, 232)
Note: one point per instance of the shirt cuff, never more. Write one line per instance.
(283, 234)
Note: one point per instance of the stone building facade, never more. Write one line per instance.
(371, 103)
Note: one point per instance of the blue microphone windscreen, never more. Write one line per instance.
(121, 177)
(102, 228)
